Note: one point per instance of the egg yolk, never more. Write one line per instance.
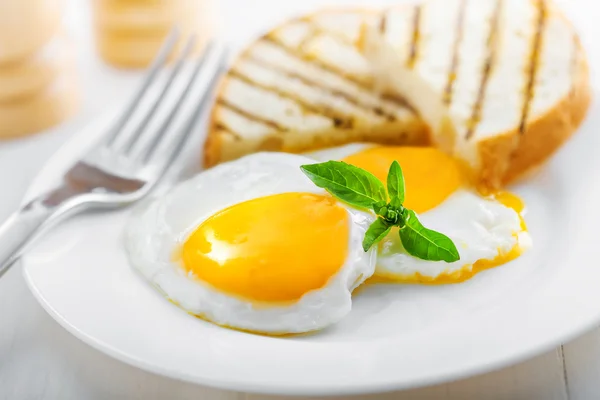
(430, 175)
(271, 249)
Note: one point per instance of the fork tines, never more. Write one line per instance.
(147, 130)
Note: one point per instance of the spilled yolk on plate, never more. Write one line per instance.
(430, 175)
(270, 249)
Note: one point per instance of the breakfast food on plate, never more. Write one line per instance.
(129, 33)
(252, 244)
(305, 86)
(502, 83)
(410, 121)
(487, 231)
(38, 85)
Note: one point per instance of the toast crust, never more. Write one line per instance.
(510, 156)
(546, 134)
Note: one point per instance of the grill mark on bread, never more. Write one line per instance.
(400, 101)
(534, 63)
(416, 37)
(340, 119)
(460, 31)
(383, 22)
(307, 108)
(221, 127)
(487, 68)
(302, 55)
(334, 92)
(251, 116)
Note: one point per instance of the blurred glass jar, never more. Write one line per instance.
(38, 79)
(130, 32)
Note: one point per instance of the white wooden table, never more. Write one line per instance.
(40, 360)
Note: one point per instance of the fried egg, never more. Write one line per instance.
(487, 230)
(253, 244)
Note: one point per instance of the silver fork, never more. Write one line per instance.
(127, 163)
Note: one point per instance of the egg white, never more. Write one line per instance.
(480, 228)
(157, 230)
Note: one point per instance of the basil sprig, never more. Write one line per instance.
(362, 189)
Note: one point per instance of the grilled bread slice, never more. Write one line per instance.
(305, 86)
(502, 83)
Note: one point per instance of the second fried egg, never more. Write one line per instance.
(488, 231)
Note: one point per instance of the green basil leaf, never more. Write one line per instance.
(395, 182)
(424, 243)
(396, 204)
(377, 207)
(348, 183)
(377, 231)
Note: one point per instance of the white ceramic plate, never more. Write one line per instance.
(396, 336)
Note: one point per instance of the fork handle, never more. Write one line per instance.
(19, 230)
